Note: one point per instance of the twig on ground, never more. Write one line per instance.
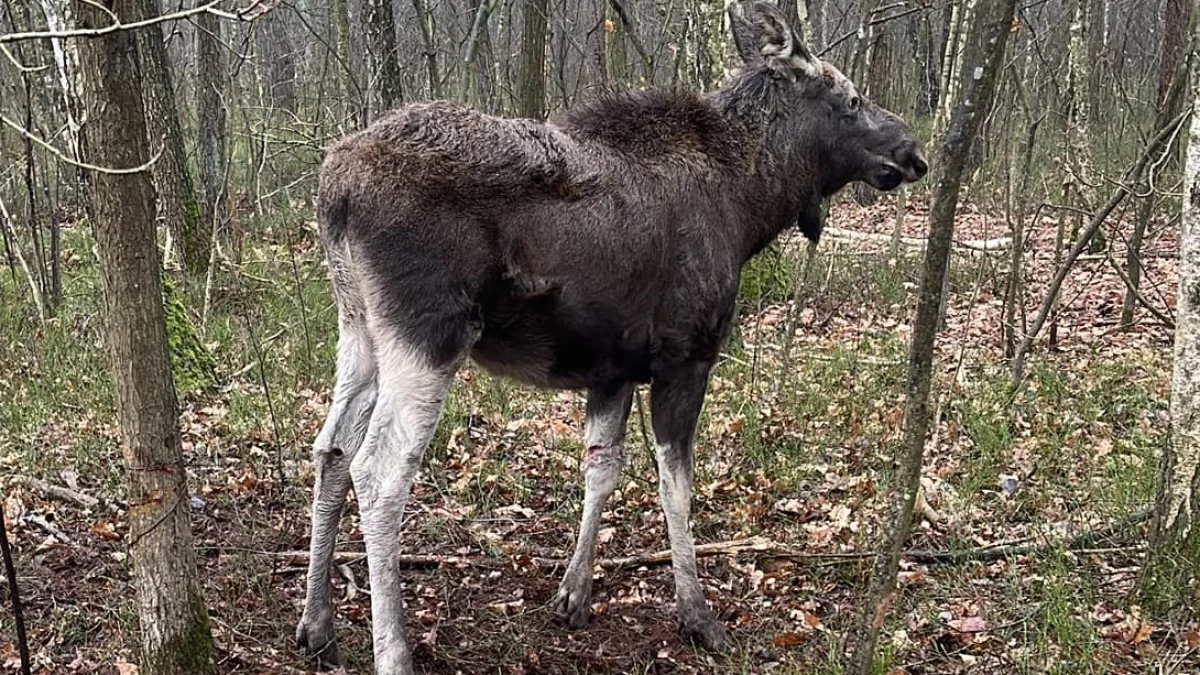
(56, 492)
(49, 528)
(1080, 543)
(352, 589)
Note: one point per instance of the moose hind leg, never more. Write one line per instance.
(334, 449)
(604, 434)
(412, 393)
(674, 407)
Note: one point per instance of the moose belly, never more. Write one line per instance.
(547, 351)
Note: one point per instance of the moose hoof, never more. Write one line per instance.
(706, 632)
(574, 604)
(317, 643)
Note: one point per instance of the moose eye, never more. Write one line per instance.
(855, 102)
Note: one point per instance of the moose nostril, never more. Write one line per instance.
(920, 166)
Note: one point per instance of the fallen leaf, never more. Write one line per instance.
(788, 640)
(970, 624)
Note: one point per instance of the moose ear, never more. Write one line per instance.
(746, 34)
(762, 34)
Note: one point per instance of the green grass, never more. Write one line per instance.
(830, 410)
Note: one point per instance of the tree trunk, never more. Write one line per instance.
(477, 89)
(960, 16)
(175, 636)
(1096, 40)
(210, 113)
(994, 21)
(1079, 125)
(800, 18)
(531, 98)
(1172, 78)
(177, 204)
(383, 84)
(425, 22)
(1170, 572)
(278, 59)
(929, 88)
(354, 107)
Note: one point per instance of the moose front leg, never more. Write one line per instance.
(675, 403)
(604, 434)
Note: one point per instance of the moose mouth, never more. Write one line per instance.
(890, 175)
(887, 177)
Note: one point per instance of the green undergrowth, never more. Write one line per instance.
(804, 410)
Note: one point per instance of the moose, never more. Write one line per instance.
(594, 253)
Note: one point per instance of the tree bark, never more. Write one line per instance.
(425, 22)
(384, 85)
(178, 206)
(210, 113)
(278, 59)
(477, 89)
(531, 99)
(1173, 560)
(175, 635)
(994, 20)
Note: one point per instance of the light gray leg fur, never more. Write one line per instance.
(412, 394)
(604, 435)
(334, 449)
(675, 490)
(675, 404)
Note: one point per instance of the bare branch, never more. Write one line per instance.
(63, 157)
(250, 12)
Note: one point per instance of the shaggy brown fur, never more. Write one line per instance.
(591, 253)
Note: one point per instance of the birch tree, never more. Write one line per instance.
(1171, 572)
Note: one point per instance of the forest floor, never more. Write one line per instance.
(795, 449)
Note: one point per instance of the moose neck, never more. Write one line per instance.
(782, 183)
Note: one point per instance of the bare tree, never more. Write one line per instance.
(1172, 80)
(425, 23)
(210, 113)
(994, 22)
(1174, 557)
(531, 99)
(178, 206)
(384, 88)
(175, 636)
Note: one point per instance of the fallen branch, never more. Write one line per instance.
(749, 545)
(55, 492)
(996, 245)
(1080, 543)
(49, 528)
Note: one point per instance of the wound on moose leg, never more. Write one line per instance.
(603, 454)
